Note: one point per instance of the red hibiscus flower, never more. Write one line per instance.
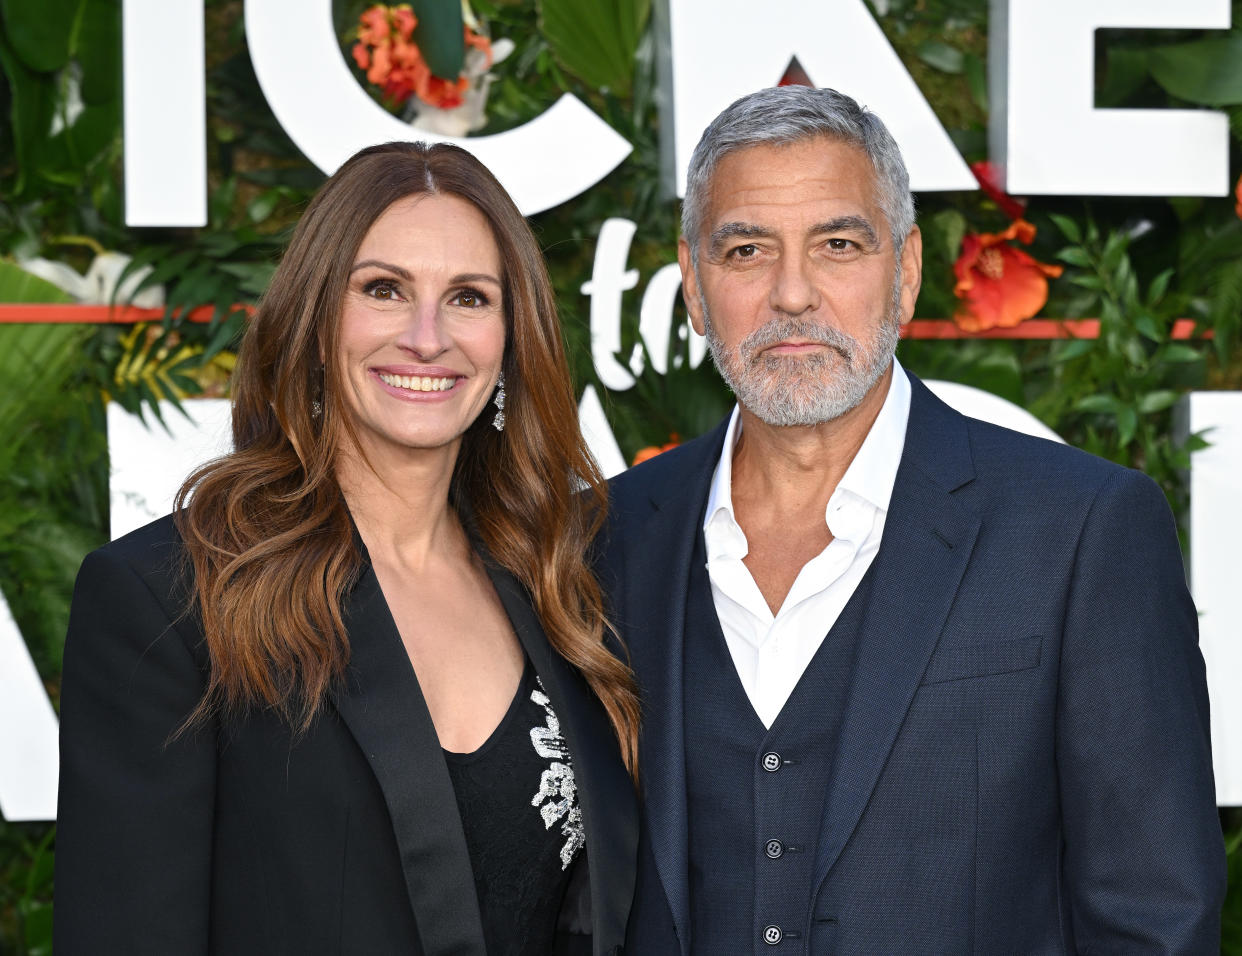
(999, 285)
(988, 179)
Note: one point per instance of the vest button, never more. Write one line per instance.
(774, 849)
(772, 935)
(771, 761)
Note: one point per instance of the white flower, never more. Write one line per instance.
(100, 282)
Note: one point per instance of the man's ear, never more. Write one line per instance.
(911, 273)
(690, 291)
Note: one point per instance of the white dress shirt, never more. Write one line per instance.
(771, 653)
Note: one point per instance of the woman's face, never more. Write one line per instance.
(422, 327)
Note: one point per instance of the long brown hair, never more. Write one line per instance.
(266, 528)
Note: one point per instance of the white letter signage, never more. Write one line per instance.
(1047, 135)
(723, 49)
(1215, 560)
(165, 123)
(560, 154)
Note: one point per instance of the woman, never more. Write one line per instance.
(353, 695)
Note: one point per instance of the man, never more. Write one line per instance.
(912, 683)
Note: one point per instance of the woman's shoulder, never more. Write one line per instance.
(153, 553)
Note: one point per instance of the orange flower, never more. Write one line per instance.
(373, 25)
(652, 450)
(381, 65)
(393, 62)
(404, 20)
(998, 284)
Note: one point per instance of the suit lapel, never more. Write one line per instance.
(604, 790)
(928, 537)
(385, 711)
(657, 562)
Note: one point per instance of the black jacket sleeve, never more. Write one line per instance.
(133, 846)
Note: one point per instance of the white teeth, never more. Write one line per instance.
(417, 383)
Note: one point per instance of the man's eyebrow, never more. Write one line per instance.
(380, 264)
(855, 224)
(735, 230)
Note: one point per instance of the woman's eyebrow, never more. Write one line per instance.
(365, 263)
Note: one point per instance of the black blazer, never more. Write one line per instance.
(253, 840)
(1023, 764)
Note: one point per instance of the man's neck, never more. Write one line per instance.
(782, 479)
(792, 469)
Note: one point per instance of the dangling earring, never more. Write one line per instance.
(498, 400)
(317, 403)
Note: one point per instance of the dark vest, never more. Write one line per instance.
(755, 796)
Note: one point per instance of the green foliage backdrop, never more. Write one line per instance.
(1137, 265)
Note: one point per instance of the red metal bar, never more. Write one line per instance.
(918, 329)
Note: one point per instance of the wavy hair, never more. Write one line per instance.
(266, 528)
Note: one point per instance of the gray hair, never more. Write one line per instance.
(782, 115)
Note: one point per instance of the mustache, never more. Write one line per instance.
(781, 329)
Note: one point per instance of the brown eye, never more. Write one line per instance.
(470, 299)
(382, 289)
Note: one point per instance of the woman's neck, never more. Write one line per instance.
(400, 505)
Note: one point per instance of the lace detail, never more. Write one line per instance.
(557, 798)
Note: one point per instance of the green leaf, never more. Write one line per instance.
(262, 206)
(1075, 256)
(1125, 70)
(1097, 403)
(18, 285)
(1148, 327)
(941, 56)
(41, 33)
(1068, 227)
(98, 49)
(1127, 424)
(977, 79)
(1076, 349)
(1159, 286)
(33, 104)
(1179, 352)
(440, 36)
(952, 226)
(1158, 401)
(1202, 71)
(596, 39)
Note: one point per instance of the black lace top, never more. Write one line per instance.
(519, 808)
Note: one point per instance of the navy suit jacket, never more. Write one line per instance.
(1023, 764)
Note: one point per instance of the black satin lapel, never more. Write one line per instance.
(653, 621)
(605, 793)
(385, 711)
(927, 543)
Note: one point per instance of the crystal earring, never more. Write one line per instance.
(498, 400)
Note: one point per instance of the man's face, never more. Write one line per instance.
(798, 289)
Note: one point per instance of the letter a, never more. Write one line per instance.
(723, 49)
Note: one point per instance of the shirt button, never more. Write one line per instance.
(772, 935)
(771, 761)
(774, 849)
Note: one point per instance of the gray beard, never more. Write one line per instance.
(791, 390)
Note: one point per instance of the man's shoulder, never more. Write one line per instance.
(667, 470)
(996, 448)
(1035, 473)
